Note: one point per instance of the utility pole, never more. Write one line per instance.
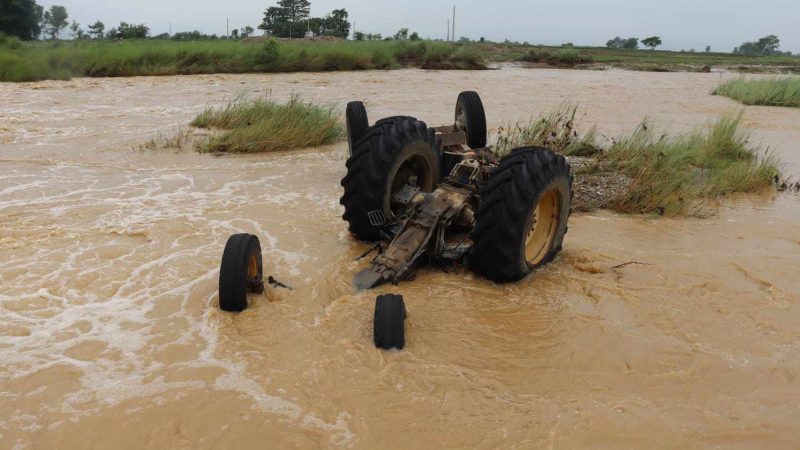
(170, 28)
(448, 31)
(227, 31)
(454, 23)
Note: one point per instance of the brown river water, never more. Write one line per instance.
(110, 335)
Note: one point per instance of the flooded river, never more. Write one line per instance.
(110, 336)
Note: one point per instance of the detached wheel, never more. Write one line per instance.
(240, 272)
(357, 123)
(389, 324)
(471, 118)
(391, 152)
(523, 214)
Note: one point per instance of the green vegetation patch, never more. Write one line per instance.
(266, 126)
(768, 92)
(661, 174)
(565, 57)
(96, 58)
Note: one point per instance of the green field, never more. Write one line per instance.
(32, 61)
(64, 60)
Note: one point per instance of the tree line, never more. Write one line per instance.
(290, 19)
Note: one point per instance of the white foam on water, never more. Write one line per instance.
(121, 248)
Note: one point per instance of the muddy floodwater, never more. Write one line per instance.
(111, 337)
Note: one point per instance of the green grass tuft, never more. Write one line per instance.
(556, 130)
(676, 175)
(673, 175)
(768, 92)
(266, 126)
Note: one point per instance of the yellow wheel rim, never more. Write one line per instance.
(542, 225)
(252, 267)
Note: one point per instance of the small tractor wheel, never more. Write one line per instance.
(471, 118)
(389, 325)
(391, 152)
(240, 272)
(523, 214)
(357, 124)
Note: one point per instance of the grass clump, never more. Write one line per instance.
(677, 175)
(645, 172)
(264, 126)
(565, 58)
(768, 92)
(556, 130)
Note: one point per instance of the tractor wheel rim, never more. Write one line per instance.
(542, 225)
(252, 267)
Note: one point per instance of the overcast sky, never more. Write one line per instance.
(682, 24)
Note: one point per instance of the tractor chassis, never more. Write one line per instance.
(426, 225)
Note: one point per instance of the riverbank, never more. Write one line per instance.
(63, 60)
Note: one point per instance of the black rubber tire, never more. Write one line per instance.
(357, 123)
(388, 330)
(378, 156)
(506, 203)
(474, 118)
(234, 280)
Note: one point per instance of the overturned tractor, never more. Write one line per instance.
(434, 196)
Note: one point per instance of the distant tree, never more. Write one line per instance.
(766, 46)
(55, 20)
(21, 18)
(294, 11)
(708, 49)
(631, 43)
(275, 22)
(96, 29)
(414, 36)
(618, 42)
(483, 39)
(652, 42)
(464, 40)
(568, 44)
(246, 32)
(76, 31)
(162, 36)
(359, 36)
(235, 33)
(131, 31)
(335, 24)
(402, 34)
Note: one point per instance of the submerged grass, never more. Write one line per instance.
(768, 92)
(264, 126)
(672, 175)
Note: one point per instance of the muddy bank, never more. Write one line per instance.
(110, 335)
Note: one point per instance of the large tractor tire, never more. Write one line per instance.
(523, 214)
(388, 329)
(357, 124)
(240, 272)
(390, 153)
(471, 118)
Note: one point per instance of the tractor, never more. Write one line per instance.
(432, 196)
